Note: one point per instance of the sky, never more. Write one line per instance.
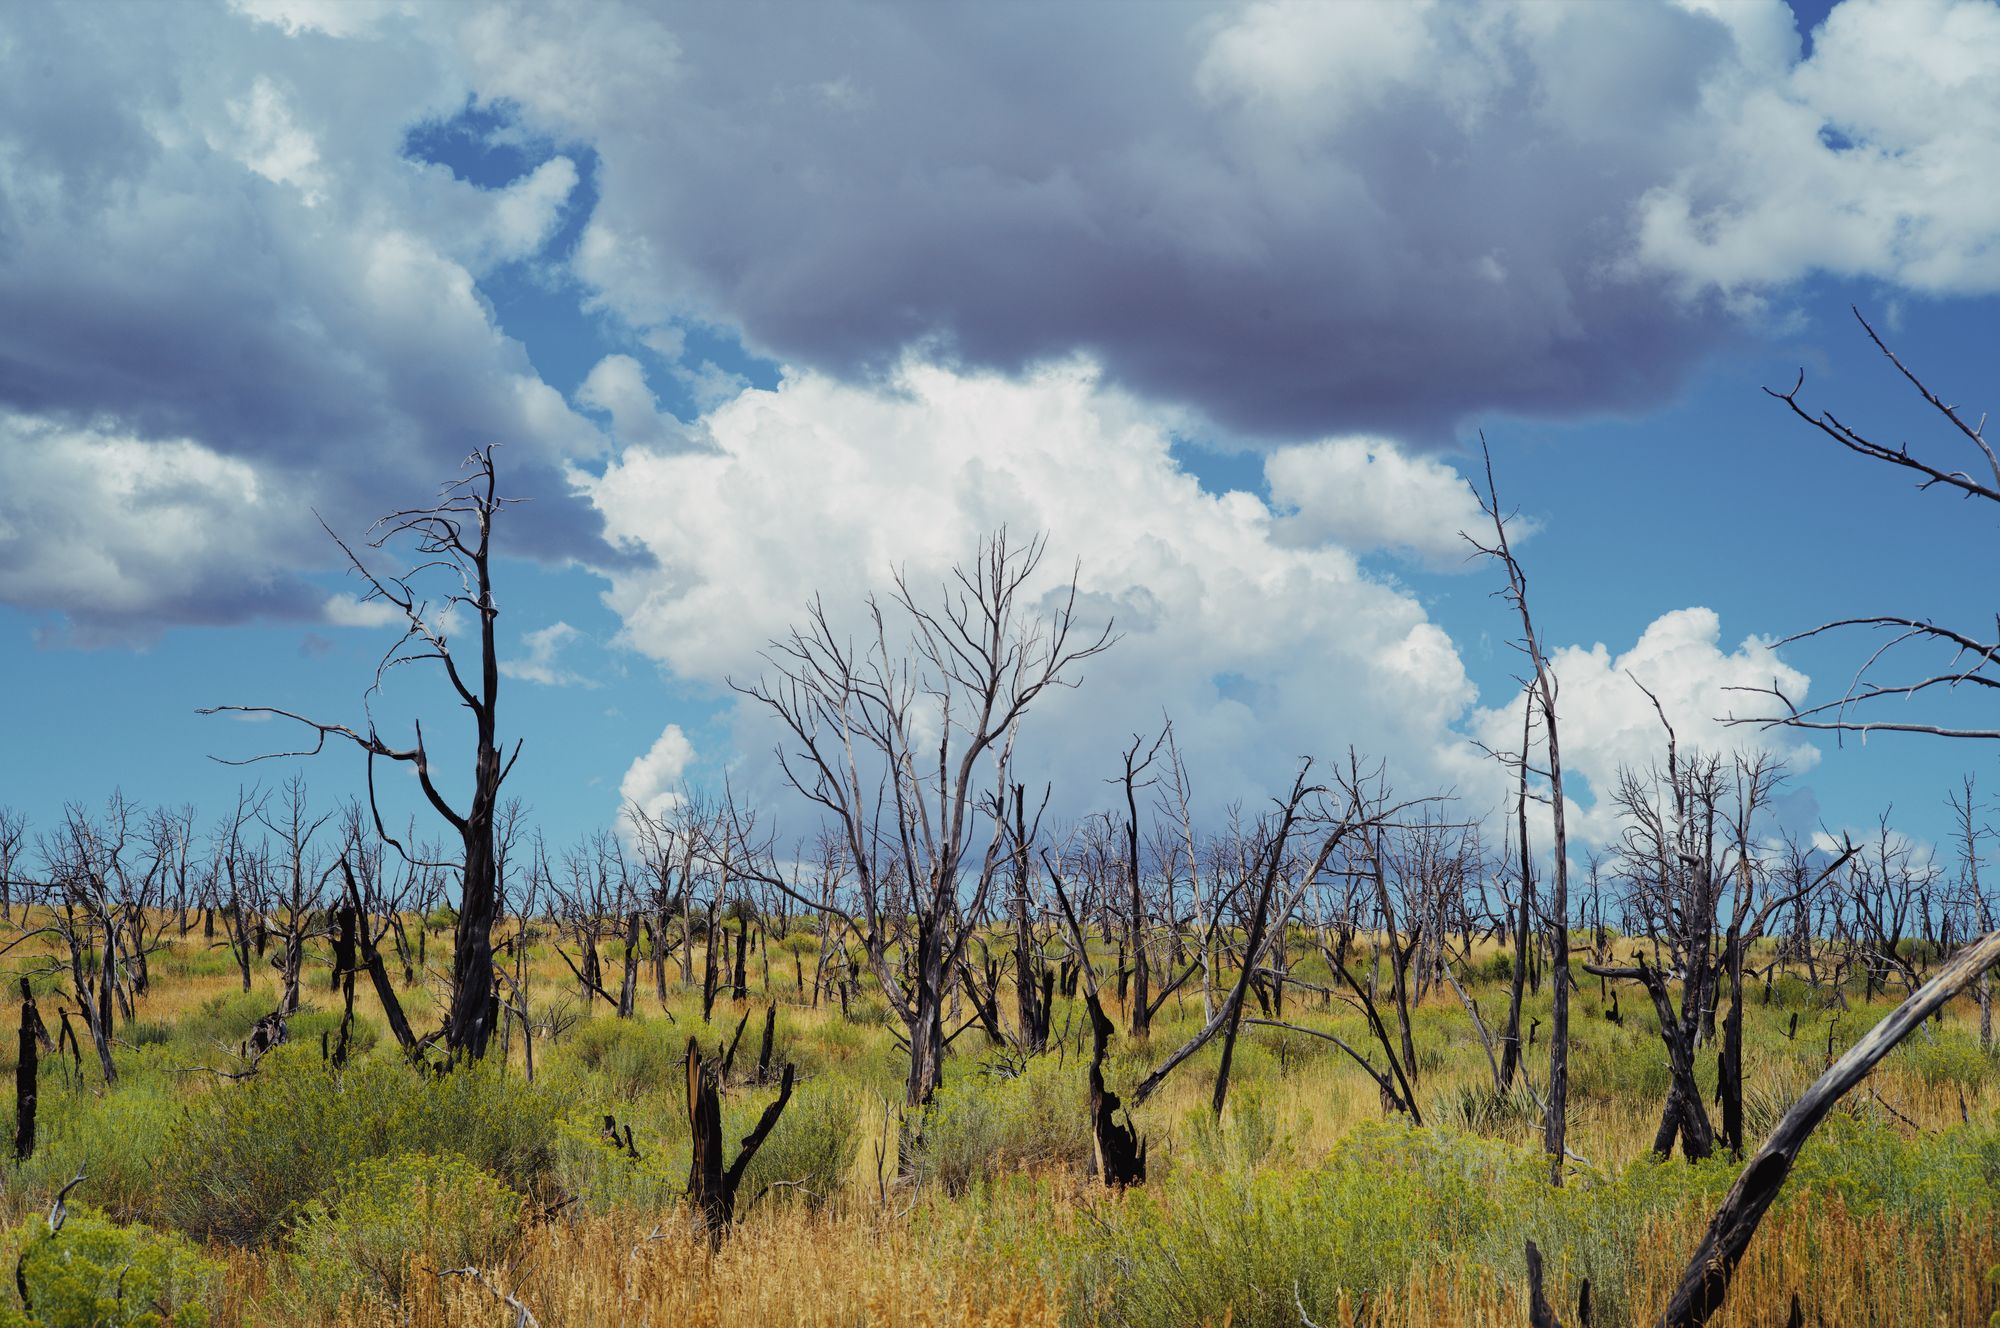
(762, 301)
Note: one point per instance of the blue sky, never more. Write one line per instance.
(751, 307)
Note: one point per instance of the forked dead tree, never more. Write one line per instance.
(712, 1186)
(453, 540)
(891, 741)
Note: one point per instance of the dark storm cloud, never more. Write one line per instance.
(1296, 219)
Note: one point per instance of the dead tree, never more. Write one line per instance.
(910, 815)
(1118, 1152)
(1969, 662)
(1972, 895)
(26, 1074)
(1706, 1280)
(1141, 1018)
(1278, 879)
(296, 898)
(711, 1185)
(1541, 686)
(13, 839)
(452, 537)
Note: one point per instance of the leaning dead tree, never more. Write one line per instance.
(896, 742)
(453, 542)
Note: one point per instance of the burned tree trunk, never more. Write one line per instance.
(1683, 1116)
(711, 1186)
(343, 976)
(26, 1072)
(1119, 1151)
(1706, 1280)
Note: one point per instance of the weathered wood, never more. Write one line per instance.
(1706, 1280)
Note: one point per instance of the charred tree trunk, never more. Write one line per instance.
(711, 1186)
(26, 1074)
(1119, 1151)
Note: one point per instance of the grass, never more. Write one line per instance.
(1302, 1194)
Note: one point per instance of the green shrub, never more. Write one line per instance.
(193, 960)
(250, 1155)
(1479, 1109)
(813, 1143)
(1947, 1057)
(116, 1135)
(364, 1234)
(307, 1026)
(980, 1127)
(224, 1018)
(147, 1033)
(634, 1057)
(1247, 1136)
(96, 1274)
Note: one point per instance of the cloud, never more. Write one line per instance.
(214, 258)
(1262, 646)
(1262, 651)
(353, 611)
(1296, 218)
(1368, 494)
(1607, 722)
(539, 665)
(1871, 158)
(1288, 221)
(653, 783)
(1299, 219)
(118, 533)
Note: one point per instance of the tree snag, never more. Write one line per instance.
(711, 1186)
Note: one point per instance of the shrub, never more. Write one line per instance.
(1480, 1109)
(813, 1143)
(634, 1057)
(307, 1026)
(224, 1018)
(115, 1135)
(251, 1155)
(364, 1235)
(96, 1274)
(1949, 1057)
(981, 1127)
(1247, 1136)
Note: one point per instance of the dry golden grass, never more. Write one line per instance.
(860, 1262)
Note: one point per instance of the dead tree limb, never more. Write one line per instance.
(1706, 1281)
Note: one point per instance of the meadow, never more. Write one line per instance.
(222, 1188)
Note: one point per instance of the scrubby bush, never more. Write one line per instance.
(812, 1145)
(1248, 1136)
(115, 1135)
(633, 1057)
(224, 1018)
(308, 1026)
(1479, 1108)
(365, 1235)
(248, 1158)
(94, 1273)
(981, 1126)
(1948, 1057)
